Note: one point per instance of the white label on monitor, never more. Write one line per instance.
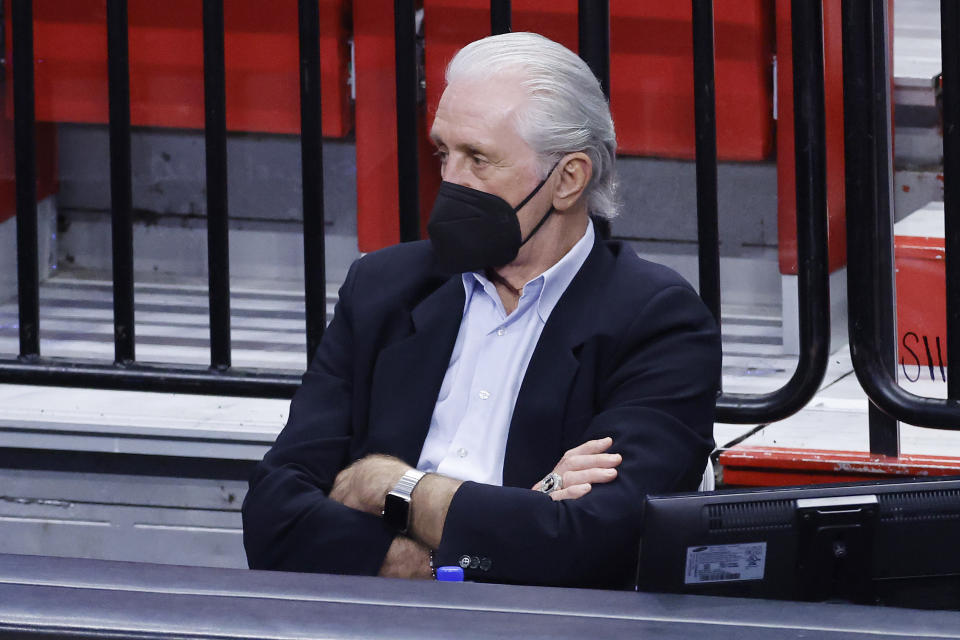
(725, 562)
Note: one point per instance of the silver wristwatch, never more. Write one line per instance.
(396, 507)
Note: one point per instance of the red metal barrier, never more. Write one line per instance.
(378, 222)
(782, 467)
(833, 102)
(651, 67)
(166, 64)
(46, 165)
(651, 83)
(833, 99)
(921, 308)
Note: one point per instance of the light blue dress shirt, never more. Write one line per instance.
(471, 420)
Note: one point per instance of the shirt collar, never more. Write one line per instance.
(555, 280)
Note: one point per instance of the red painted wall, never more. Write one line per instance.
(166, 64)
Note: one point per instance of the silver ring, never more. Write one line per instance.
(552, 482)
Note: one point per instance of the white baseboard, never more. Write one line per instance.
(746, 280)
(261, 255)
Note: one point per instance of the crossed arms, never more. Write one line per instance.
(651, 391)
(364, 484)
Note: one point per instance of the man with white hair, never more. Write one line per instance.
(503, 396)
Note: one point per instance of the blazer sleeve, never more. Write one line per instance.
(657, 402)
(288, 521)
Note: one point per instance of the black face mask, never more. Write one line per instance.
(473, 230)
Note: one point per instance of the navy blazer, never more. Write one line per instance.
(629, 352)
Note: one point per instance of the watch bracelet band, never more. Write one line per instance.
(409, 481)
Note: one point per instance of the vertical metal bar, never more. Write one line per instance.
(594, 44)
(500, 17)
(810, 161)
(311, 162)
(25, 159)
(812, 247)
(405, 37)
(884, 432)
(866, 114)
(884, 428)
(950, 51)
(218, 255)
(121, 190)
(705, 123)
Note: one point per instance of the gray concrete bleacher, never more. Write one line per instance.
(72, 598)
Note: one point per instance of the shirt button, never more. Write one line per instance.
(465, 561)
(501, 331)
(484, 394)
(462, 452)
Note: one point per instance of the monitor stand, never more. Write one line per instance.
(835, 554)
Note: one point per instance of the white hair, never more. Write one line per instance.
(566, 110)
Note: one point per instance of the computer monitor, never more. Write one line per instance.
(889, 542)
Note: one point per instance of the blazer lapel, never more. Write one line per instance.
(409, 372)
(534, 444)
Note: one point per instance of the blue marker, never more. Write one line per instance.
(449, 574)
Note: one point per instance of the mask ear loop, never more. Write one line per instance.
(539, 224)
(533, 193)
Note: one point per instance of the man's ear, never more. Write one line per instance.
(575, 171)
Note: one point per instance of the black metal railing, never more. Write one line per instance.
(593, 29)
(812, 254)
(501, 18)
(950, 57)
(311, 160)
(215, 137)
(121, 183)
(866, 90)
(25, 164)
(125, 372)
(873, 343)
(408, 92)
(868, 176)
(705, 136)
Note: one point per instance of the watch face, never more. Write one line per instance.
(395, 511)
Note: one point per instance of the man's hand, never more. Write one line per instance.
(363, 486)
(406, 558)
(584, 466)
(365, 483)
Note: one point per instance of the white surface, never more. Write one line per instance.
(791, 311)
(845, 428)
(172, 323)
(138, 422)
(927, 222)
(748, 280)
(8, 258)
(242, 428)
(916, 29)
(145, 412)
(76, 321)
(837, 419)
(261, 253)
(46, 247)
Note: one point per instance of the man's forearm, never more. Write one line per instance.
(365, 484)
(429, 504)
